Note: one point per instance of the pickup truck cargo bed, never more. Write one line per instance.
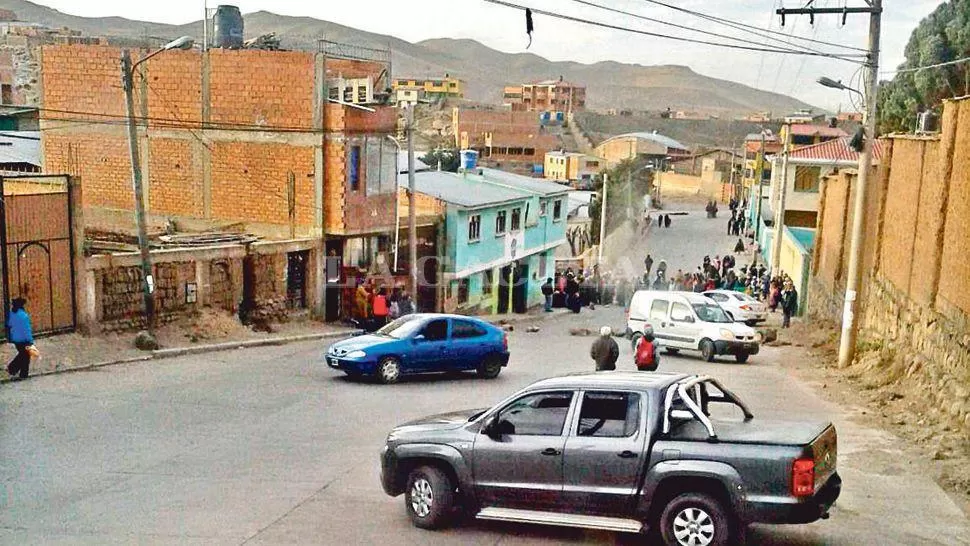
(763, 432)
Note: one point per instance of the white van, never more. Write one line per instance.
(689, 321)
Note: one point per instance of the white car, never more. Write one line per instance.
(739, 306)
(691, 322)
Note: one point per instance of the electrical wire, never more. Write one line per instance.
(918, 68)
(748, 28)
(666, 36)
(683, 27)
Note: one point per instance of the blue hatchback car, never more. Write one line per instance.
(423, 343)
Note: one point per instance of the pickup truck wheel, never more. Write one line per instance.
(490, 368)
(741, 357)
(429, 498)
(707, 350)
(389, 370)
(695, 519)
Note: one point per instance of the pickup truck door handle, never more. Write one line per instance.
(626, 454)
(550, 451)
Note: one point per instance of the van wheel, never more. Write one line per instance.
(741, 357)
(695, 519)
(634, 339)
(707, 350)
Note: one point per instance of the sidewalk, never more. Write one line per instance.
(208, 332)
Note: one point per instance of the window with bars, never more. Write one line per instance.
(516, 219)
(500, 222)
(474, 228)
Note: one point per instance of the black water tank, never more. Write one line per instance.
(228, 28)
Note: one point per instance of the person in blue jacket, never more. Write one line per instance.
(21, 335)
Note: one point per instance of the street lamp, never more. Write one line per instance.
(850, 322)
(127, 80)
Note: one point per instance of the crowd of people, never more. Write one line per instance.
(375, 305)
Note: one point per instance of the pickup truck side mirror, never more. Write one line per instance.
(496, 428)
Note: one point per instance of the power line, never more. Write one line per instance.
(666, 36)
(684, 27)
(918, 68)
(748, 28)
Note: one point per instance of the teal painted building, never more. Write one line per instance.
(500, 235)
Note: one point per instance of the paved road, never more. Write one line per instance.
(266, 446)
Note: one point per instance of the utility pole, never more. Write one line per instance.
(599, 251)
(780, 214)
(148, 282)
(850, 322)
(759, 175)
(629, 193)
(412, 211)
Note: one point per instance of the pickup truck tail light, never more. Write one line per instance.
(803, 477)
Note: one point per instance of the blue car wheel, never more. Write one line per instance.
(389, 370)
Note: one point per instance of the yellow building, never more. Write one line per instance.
(642, 146)
(571, 167)
(447, 87)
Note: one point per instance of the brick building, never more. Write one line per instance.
(545, 96)
(512, 141)
(239, 138)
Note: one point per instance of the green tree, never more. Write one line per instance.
(941, 37)
(449, 159)
(629, 182)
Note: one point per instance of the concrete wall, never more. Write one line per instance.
(916, 289)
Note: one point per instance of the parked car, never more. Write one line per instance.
(423, 343)
(689, 321)
(619, 451)
(739, 306)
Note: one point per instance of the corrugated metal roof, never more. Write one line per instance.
(459, 189)
(655, 137)
(837, 150)
(402, 162)
(20, 147)
(523, 183)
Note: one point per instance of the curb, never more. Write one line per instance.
(161, 354)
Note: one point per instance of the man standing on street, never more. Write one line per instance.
(605, 351)
(547, 291)
(20, 333)
(789, 303)
(648, 263)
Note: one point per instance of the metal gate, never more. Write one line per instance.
(37, 258)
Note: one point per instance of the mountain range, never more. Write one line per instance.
(485, 70)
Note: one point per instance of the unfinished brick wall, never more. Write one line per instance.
(121, 295)
(100, 158)
(266, 88)
(175, 178)
(174, 86)
(249, 182)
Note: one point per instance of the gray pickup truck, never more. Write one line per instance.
(628, 452)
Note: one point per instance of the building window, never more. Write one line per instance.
(543, 207)
(807, 178)
(353, 172)
(516, 219)
(487, 283)
(557, 210)
(500, 223)
(334, 93)
(474, 227)
(462, 291)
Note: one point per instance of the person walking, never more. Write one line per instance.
(647, 357)
(547, 291)
(666, 220)
(730, 226)
(789, 303)
(648, 263)
(404, 304)
(21, 334)
(380, 307)
(605, 352)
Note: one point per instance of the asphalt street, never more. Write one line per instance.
(269, 446)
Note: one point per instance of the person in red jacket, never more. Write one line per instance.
(647, 355)
(380, 307)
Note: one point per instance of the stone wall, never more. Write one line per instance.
(914, 303)
(114, 284)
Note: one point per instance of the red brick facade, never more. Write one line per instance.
(224, 130)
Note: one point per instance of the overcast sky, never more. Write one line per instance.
(503, 28)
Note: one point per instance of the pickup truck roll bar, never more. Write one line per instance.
(682, 388)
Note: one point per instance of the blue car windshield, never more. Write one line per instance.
(401, 328)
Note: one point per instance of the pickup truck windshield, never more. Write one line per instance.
(709, 312)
